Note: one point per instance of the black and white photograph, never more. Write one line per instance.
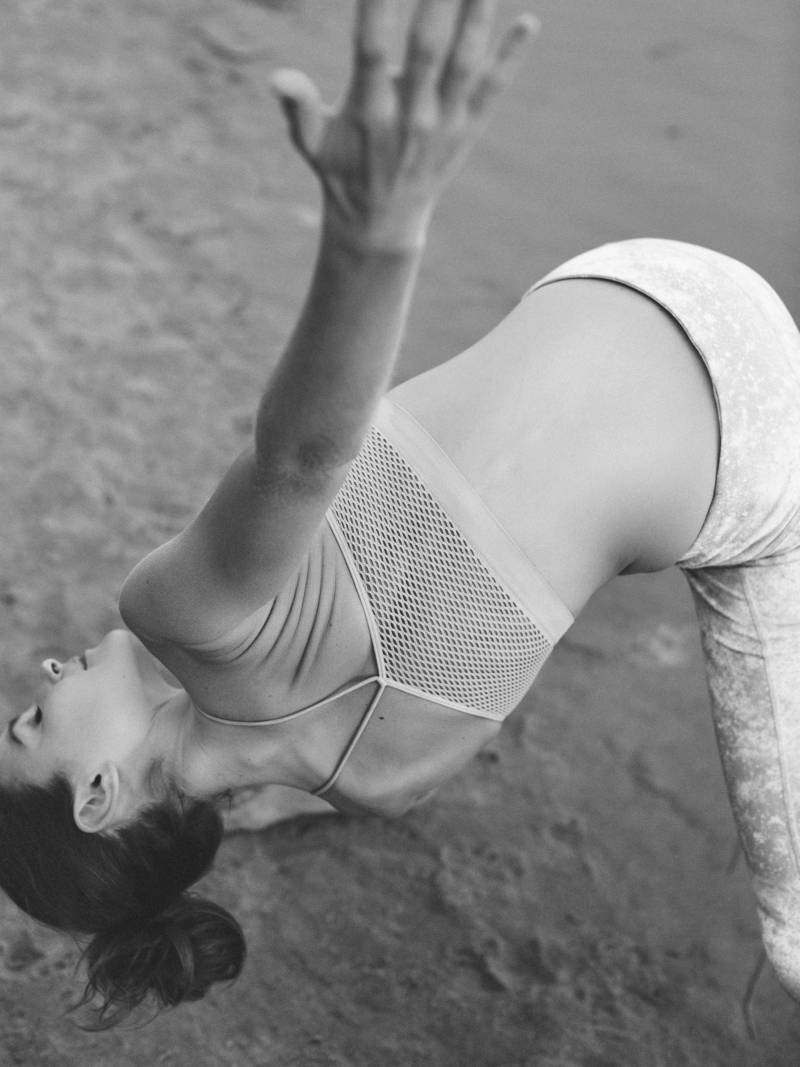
(400, 556)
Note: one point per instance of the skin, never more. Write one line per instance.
(383, 158)
(104, 718)
(70, 725)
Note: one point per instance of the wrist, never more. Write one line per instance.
(387, 238)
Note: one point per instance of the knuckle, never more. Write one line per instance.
(373, 119)
(371, 108)
(422, 121)
(371, 56)
(424, 52)
(460, 69)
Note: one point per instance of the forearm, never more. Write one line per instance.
(338, 362)
(383, 158)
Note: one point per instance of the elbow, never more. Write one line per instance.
(401, 807)
(390, 808)
(303, 449)
(396, 806)
(304, 469)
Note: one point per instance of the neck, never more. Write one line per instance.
(206, 758)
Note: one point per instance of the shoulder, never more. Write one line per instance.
(140, 598)
(162, 607)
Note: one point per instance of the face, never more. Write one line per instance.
(94, 707)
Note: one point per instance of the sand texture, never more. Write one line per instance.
(569, 900)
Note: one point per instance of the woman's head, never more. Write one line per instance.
(93, 709)
(96, 837)
(127, 889)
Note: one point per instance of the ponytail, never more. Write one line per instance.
(127, 890)
(173, 957)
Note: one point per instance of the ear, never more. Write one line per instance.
(97, 800)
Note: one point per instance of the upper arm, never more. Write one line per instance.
(234, 557)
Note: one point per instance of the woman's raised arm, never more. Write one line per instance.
(382, 159)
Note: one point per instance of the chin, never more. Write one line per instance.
(151, 670)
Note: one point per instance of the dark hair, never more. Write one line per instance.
(127, 888)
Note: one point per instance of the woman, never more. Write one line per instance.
(377, 579)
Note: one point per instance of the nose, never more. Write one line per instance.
(25, 727)
(52, 669)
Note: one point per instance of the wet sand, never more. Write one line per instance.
(568, 899)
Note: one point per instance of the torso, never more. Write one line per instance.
(411, 745)
(592, 436)
(572, 425)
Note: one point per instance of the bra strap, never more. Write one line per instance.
(377, 651)
(351, 687)
(345, 756)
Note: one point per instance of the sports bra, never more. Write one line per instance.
(457, 614)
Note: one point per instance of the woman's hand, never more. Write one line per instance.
(384, 155)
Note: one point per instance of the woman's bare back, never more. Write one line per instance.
(586, 422)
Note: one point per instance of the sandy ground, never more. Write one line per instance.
(568, 899)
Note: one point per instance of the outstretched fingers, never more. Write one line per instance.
(468, 52)
(371, 92)
(429, 42)
(384, 155)
(445, 65)
(501, 70)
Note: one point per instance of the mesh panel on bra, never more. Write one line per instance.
(446, 625)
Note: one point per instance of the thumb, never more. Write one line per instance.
(302, 105)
